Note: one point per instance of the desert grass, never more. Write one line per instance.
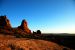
(12, 43)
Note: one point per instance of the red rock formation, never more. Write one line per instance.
(4, 22)
(7, 29)
(24, 26)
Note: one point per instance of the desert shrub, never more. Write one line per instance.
(30, 49)
(65, 49)
(5, 48)
(12, 46)
(20, 49)
(27, 36)
(18, 35)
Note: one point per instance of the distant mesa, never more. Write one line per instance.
(5, 26)
(37, 33)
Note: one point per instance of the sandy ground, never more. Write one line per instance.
(27, 44)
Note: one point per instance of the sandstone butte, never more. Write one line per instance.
(6, 26)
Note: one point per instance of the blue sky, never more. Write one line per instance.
(50, 16)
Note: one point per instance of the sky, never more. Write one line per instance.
(49, 16)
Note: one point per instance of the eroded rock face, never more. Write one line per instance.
(6, 28)
(24, 26)
(4, 22)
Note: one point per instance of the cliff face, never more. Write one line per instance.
(4, 22)
(24, 26)
(5, 27)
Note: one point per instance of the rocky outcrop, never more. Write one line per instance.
(4, 22)
(5, 27)
(24, 26)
